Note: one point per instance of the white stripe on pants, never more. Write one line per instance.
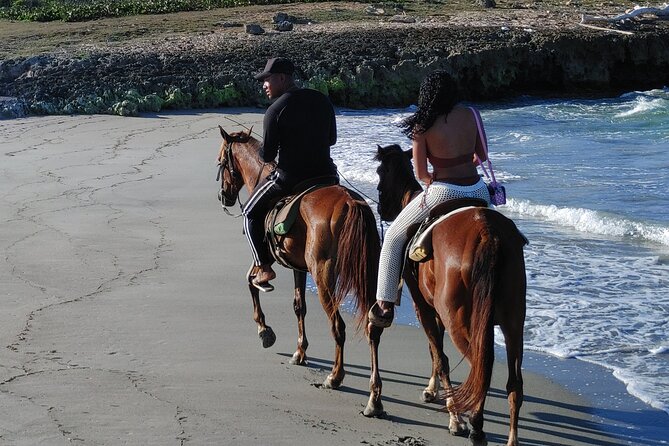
(248, 208)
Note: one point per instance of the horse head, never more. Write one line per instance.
(397, 181)
(229, 169)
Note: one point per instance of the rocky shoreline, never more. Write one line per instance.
(358, 66)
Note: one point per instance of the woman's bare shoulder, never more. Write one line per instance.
(460, 115)
(461, 110)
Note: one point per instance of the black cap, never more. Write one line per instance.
(276, 65)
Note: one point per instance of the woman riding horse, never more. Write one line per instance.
(475, 279)
(447, 135)
(476, 275)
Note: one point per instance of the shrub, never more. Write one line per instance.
(69, 10)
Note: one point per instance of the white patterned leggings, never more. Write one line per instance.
(393, 249)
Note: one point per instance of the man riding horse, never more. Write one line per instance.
(300, 128)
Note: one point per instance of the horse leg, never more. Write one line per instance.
(300, 307)
(457, 425)
(336, 376)
(440, 366)
(325, 283)
(374, 405)
(514, 385)
(265, 332)
(429, 322)
(435, 334)
(477, 436)
(434, 330)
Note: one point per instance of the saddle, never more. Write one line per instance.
(419, 248)
(282, 216)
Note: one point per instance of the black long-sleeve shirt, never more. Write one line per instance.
(300, 127)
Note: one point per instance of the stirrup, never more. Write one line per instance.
(265, 287)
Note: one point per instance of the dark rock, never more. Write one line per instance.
(254, 29)
(487, 3)
(12, 108)
(280, 17)
(284, 26)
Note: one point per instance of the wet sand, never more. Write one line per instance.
(127, 319)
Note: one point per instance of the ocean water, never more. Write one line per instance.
(588, 184)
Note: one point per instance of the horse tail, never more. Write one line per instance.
(471, 394)
(357, 263)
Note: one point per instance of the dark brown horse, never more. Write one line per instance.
(334, 238)
(475, 280)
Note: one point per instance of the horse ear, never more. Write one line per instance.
(224, 134)
(249, 131)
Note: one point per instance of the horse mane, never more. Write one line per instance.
(399, 177)
(386, 152)
(394, 154)
(244, 137)
(255, 144)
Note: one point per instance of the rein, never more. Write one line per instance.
(249, 129)
(356, 189)
(229, 165)
(221, 196)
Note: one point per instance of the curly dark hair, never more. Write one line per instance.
(438, 95)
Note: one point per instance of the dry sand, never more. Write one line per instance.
(127, 320)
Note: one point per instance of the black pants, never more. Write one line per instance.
(270, 190)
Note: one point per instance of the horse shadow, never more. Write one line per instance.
(554, 428)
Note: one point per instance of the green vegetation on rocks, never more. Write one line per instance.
(208, 96)
(128, 103)
(80, 10)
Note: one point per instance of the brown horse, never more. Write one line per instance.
(334, 238)
(475, 280)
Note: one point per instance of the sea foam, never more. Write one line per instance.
(586, 220)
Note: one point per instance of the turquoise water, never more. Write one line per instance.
(587, 182)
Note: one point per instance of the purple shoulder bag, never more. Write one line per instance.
(496, 190)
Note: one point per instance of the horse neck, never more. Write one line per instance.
(407, 197)
(411, 190)
(251, 167)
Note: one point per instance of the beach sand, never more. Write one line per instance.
(127, 319)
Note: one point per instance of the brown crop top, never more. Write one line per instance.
(449, 162)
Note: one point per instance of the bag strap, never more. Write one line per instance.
(484, 143)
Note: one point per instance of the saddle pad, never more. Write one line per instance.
(286, 216)
(420, 247)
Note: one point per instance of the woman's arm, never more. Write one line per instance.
(419, 150)
(481, 148)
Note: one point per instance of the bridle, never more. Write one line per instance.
(228, 163)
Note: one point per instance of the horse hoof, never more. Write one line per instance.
(267, 337)
(331, 383)
(478, 439)
(298, 359)
(374, 410)
(428, 397)
(458, 429)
